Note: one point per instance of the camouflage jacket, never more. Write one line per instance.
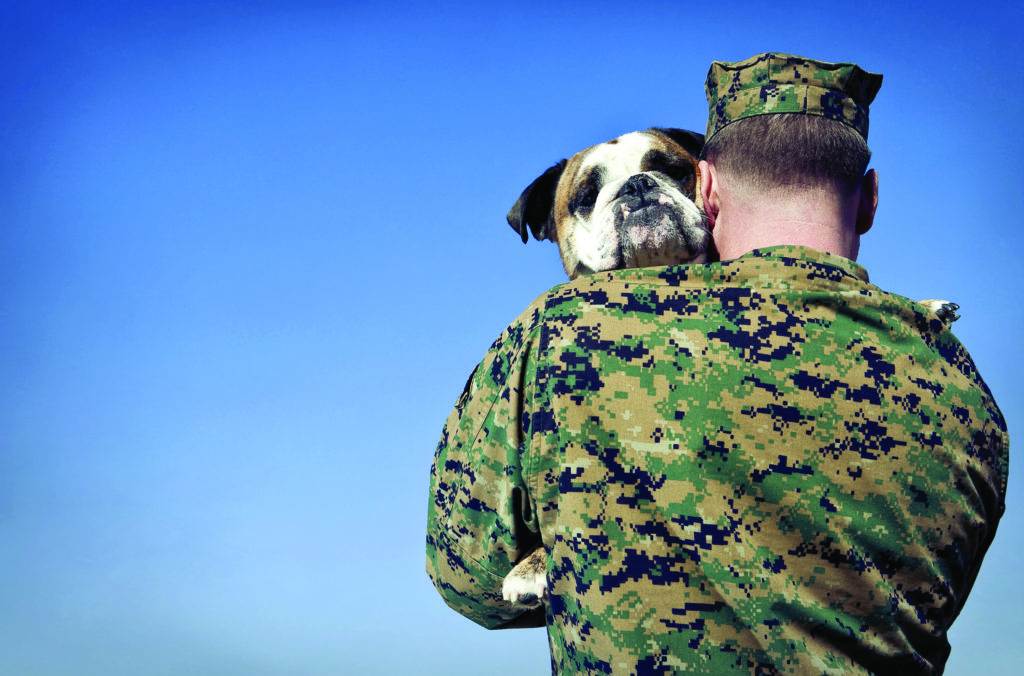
(764, 465)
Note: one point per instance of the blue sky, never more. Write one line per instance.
(249, 254)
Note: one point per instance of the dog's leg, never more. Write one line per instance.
(526, 584)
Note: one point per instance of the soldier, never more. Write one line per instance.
(765, 464)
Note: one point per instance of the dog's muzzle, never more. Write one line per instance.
(652, 226)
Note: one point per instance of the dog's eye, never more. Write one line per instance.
(584, 198)
(678, 172)
(675, 168)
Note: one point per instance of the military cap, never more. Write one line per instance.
(771, 83)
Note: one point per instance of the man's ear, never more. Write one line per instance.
(691, 141)
(868, 201)
(535, 206)
(709, 191)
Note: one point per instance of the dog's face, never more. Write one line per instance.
(629, 202)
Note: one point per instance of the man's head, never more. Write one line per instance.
(787, 145)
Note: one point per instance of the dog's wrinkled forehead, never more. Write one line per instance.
(619, 157)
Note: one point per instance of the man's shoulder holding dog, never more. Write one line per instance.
(728, 386)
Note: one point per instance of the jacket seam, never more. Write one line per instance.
(451, 543)
(479, 431)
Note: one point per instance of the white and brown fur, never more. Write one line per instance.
(633, 201)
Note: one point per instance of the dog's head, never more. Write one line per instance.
(629, 202)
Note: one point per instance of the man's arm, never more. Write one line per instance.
(479, 519)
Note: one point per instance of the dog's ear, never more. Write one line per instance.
(535, 207)
(691, 141)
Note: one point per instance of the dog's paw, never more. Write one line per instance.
(525, 589)
(944, 310)
(947, 313)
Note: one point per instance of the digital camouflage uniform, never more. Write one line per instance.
(761, 465)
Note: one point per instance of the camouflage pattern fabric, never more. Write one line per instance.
(763, 465)
(781, 83)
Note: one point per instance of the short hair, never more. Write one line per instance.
(787, 151)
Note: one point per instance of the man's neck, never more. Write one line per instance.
(812, 219)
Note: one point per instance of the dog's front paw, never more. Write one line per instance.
(947, 313)
(944, 310)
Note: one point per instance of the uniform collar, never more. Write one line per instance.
(767, 265)
(793, 255)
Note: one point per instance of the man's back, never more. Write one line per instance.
(764, 463)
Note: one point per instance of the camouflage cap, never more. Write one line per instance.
(770, 83)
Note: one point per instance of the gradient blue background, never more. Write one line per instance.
(250, 252)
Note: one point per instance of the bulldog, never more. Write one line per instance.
(633, 201)
(629, 202)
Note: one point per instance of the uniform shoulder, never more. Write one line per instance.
(581, 289)
(558, 293)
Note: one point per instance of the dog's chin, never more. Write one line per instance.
(658, 234)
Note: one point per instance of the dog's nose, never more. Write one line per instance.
(636, 185)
